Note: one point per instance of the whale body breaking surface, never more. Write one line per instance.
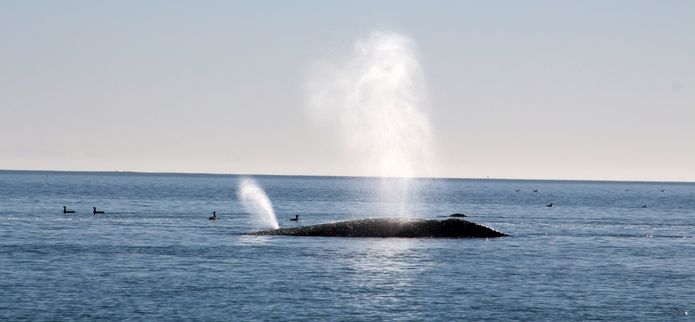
(391, 227)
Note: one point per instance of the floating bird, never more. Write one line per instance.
(214, 216)
(662, 190)
(536, 190)
(296, 218)
(549, 205)
(94, 211)
(517, 190)
(66, 211)
(644, 206)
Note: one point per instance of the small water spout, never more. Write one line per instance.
(255, 201)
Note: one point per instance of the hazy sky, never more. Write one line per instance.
(517, 89)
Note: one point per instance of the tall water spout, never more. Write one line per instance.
(377, 97)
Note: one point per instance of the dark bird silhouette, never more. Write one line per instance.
(536, 190)
(214, 216)
(66, 211)
(517, 190)
(94, 211)
(296, 218)
(644, 206)
(549, 205)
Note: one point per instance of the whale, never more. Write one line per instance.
(390, 227)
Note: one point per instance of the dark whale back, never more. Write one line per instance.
(391, 227)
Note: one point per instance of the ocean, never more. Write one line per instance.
(597, 254)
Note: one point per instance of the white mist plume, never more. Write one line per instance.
(376, 97)
(255, 201)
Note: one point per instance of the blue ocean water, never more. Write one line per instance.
(595, 255)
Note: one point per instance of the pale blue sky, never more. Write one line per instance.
(519, 89)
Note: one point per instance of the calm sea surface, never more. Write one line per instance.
(596, 255)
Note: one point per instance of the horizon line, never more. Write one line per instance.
(334, 176)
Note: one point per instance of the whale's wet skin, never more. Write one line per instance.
(391, 227)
